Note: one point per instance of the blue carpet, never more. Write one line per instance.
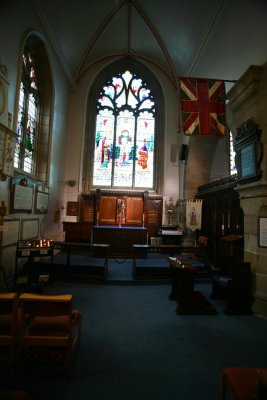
(155, 267)
(135, 347)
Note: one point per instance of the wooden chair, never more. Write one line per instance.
(244, 383)
(8, 327)
(14, 395)
(49, 329)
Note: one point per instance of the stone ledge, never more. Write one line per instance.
(245, 87)
(252, 190)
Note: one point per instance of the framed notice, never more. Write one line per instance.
(29, 229)
(22, 190)
(23, 198)
(10, 231)
(248, 148)
(262, 232)
(247, 161)
(41, 199)
(41, 202)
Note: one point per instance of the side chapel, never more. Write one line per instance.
(75, 179)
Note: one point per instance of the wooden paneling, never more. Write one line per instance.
(101, 208)
(87, 209)
(87, 212)
(77, 231)
(221, 216)
(107, 210)
(134, 211)
(153, 214)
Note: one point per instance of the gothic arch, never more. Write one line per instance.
(103, 76)
(42, 161)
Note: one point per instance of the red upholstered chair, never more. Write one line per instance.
(14, 395)
(49, 329)
(8, 327)
(244, 383)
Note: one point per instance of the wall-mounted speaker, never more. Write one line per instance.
(183, 152)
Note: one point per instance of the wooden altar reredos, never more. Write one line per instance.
(115, 208)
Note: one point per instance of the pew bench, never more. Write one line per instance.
(234, 287)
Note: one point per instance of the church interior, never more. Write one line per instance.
(132, 157)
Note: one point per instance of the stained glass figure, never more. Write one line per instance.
(125, 134)
(27, 116)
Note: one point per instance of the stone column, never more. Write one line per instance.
(247, 99)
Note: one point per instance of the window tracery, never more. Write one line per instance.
(125, 133)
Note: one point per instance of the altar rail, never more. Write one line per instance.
(141, 250)
(146, 263)
(99, 250)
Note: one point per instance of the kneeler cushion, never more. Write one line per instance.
(54, 326)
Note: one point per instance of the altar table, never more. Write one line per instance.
(120, 238)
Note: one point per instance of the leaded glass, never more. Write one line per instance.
(103, 148)
(19, 127)
(145, 150)
(233, 169)
(124, 154)
(27, 116)
(125, 134)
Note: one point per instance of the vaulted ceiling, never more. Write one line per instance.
(210, 38)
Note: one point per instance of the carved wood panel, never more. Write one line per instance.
(102, 208)
(134, 211)
(107, 210)
(87, 210)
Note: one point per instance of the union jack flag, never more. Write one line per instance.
(202, 106)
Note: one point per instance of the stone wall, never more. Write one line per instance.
(248, 99)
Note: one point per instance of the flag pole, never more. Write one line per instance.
(211, 79)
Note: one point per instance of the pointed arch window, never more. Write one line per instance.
(233, 169)
(124, 147)
(32, 121)
(28, 111)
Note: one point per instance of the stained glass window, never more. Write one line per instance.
(125, 134)
(233, 169)
(27, 116)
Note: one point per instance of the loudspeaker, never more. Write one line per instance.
(183, 152)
